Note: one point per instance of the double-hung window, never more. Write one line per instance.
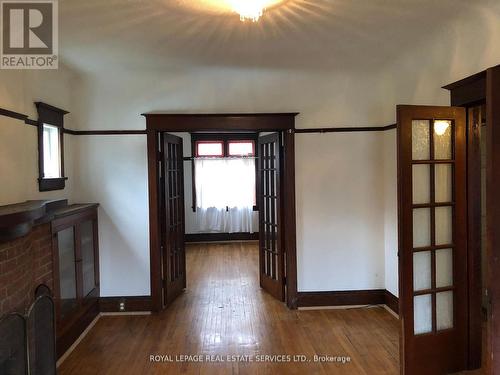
(50, 147)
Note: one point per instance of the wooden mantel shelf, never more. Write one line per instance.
(16, 220)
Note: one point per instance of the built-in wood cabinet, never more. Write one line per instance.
(76, 271)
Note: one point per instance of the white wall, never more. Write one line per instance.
(117, 164)
(340, 209)
(19, 90)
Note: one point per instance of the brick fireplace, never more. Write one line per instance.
(25, 263)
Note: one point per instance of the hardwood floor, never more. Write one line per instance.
(224, 312)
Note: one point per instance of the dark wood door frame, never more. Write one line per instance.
(484, 88)
(157, 123)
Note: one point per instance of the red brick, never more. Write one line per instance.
(24, 264)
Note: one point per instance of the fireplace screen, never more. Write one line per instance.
(13, 353)
(27, 343)
(41, 340)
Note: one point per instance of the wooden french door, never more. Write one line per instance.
(432, 239)
(172, 217)
(271, 254)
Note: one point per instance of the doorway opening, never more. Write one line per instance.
(226, 146)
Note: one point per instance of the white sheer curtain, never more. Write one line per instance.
(225, 194)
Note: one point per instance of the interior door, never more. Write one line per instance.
(271, 254)
(172, 212)
(432, 239)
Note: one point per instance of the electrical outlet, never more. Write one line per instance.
(122, 306)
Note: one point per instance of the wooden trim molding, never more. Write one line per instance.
(349, 298)
(130, 304)
(220, 237)
(158, 123)
(170, 122)
(347, 129)
(67, 335)
(493, 217)
(16, 220)
(391, 301)
(244, 118)
(341, 298)
(104, 132)
(468, 91)
(289, 218)
(12, 114)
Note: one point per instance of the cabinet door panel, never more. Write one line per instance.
(88, 256)
(67, 270)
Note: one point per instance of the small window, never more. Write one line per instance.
(51, 152)
(210, 148)
(241, 148)
(50, 147)
(228, 148)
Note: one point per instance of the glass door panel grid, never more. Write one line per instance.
(433, 224)
(270, 212)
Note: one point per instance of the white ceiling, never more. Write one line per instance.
(305, 34)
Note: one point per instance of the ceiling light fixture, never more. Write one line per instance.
(249, 9)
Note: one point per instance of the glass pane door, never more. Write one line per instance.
(432, 205)
(432, 229)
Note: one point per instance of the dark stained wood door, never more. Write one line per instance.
(432, 216)
(172, 218)
(271, 254)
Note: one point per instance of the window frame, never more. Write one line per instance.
(197, 142)
(225, 138)
(53, 116)
(254, 147)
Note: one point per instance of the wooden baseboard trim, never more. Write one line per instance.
(349, 298)
(68, 351)
(220, 237)
(392, 301)
(69, 332)
(341, 298)
(131, 304)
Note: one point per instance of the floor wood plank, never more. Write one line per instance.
(224, 312)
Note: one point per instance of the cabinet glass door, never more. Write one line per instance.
(67, 269)
(88, 260)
